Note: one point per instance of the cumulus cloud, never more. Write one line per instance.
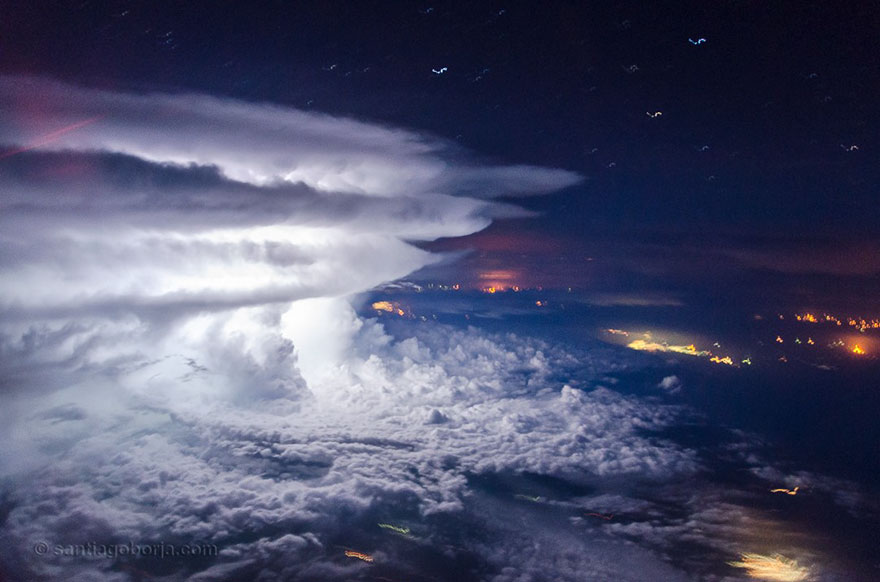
(161, 461)
(670, 384)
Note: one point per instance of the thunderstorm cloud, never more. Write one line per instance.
(182, 360)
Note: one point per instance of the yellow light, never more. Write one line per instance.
(359, 556)
(401, 312)
(810, 341)
(786, 491)
(645, 346)
(778, 339)
(747, 361)
(775, 567)
(394, 528)
(858, 350)
(724, 360)
(383, 306)
(690, 350)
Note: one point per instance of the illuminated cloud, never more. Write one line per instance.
(157, 453)
(168, 207)
(257, 144)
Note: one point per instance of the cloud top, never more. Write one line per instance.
(167, 206)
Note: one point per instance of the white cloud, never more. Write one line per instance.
(167, 207)
(169, 459)
(670, 384)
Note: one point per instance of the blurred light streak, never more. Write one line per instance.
(395, 528)
(600, 516)
(359, 555)
(786, 491)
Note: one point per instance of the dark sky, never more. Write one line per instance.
(760, 173)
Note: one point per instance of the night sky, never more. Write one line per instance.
(440, 291)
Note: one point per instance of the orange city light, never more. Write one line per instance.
(383, 306)
(858, 350)
(775, 567)
(359, 556)
(786, 491)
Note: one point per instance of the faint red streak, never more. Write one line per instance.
(601, 516)
(50, 137)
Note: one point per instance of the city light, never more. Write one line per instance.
(775, 567)
(786, 491)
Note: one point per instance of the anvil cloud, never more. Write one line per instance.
(169, 206)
